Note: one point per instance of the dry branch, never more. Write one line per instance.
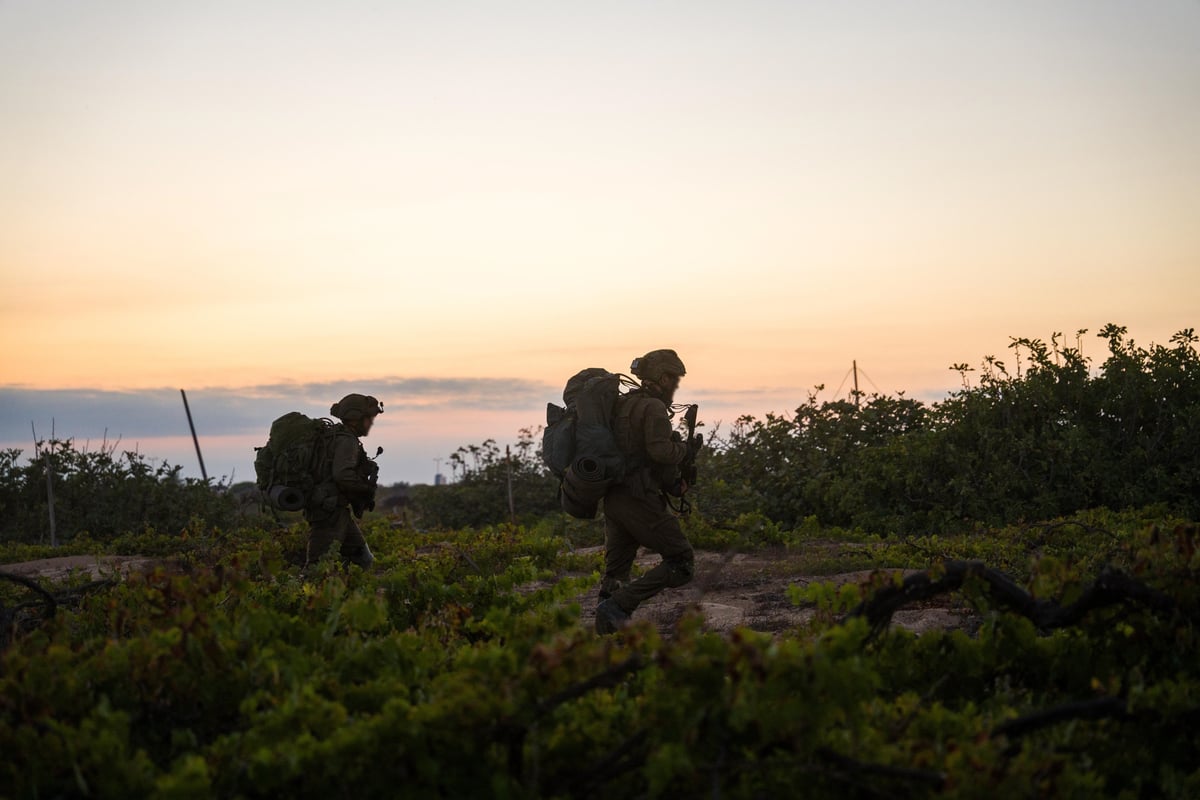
(12, 619)
(29, 583)
(1111, 587)
(1098, 708)
(607, 679)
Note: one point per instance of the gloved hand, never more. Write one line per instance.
(365, 502)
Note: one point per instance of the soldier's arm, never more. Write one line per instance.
(660, 447)
(345, 461)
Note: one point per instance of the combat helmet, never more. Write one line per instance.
(657, 363)
(356, 406)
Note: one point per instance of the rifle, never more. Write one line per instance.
(370, 473)
(687, 467)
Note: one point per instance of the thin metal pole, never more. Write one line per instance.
(854, 363)
(195, 440)
(49, 480)
(512, 510)
(50, 497)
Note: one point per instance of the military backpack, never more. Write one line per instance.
(296, 458)
(578, 444)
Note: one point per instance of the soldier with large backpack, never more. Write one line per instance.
(636, 510)
(349, 486)
(319, 467)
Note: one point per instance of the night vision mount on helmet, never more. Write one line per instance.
(355, 406)
(657, 363)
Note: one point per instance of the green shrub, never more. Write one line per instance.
(102, 494)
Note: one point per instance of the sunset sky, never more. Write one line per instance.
(454, 206)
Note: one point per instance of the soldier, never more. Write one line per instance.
(636, 512)
(350, 487)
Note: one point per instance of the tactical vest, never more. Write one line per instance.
(629, 430)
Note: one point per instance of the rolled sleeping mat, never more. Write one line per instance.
(581, 497)
(286, 498)
(574, 506)
(588, 469)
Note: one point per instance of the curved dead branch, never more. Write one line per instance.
(1111, 587)
(17, 618)
(1096, 708)
(34, 586)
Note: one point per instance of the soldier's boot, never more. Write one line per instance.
(610, 617)
(609, 587)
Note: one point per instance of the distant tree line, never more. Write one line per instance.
(1054, 438)
(1046, 437)
(102, 492)
(484, 476)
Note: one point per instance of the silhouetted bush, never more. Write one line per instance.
(479, 496)
(1047, 442)
(102, 493)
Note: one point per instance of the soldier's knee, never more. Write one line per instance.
(680, 570)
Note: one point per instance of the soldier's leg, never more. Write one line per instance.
(620, 549)
(354, 545)
(653, 526)
(324, 532)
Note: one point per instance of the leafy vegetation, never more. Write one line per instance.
(1057, 507)
(459, 667)
(1047, 436)
(101, 494)
(1051, 440)
(1056, 437)
(480, 493)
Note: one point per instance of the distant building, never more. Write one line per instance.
(439, 479)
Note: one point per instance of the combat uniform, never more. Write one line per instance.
(635, 510)
(349, 491)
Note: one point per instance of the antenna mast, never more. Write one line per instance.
(195, 440)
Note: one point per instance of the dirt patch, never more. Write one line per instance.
(750, 590)
(96, 567)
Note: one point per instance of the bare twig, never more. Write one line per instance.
(1110, 588)
(29, 583)
(609, 678)
(1098, 708)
